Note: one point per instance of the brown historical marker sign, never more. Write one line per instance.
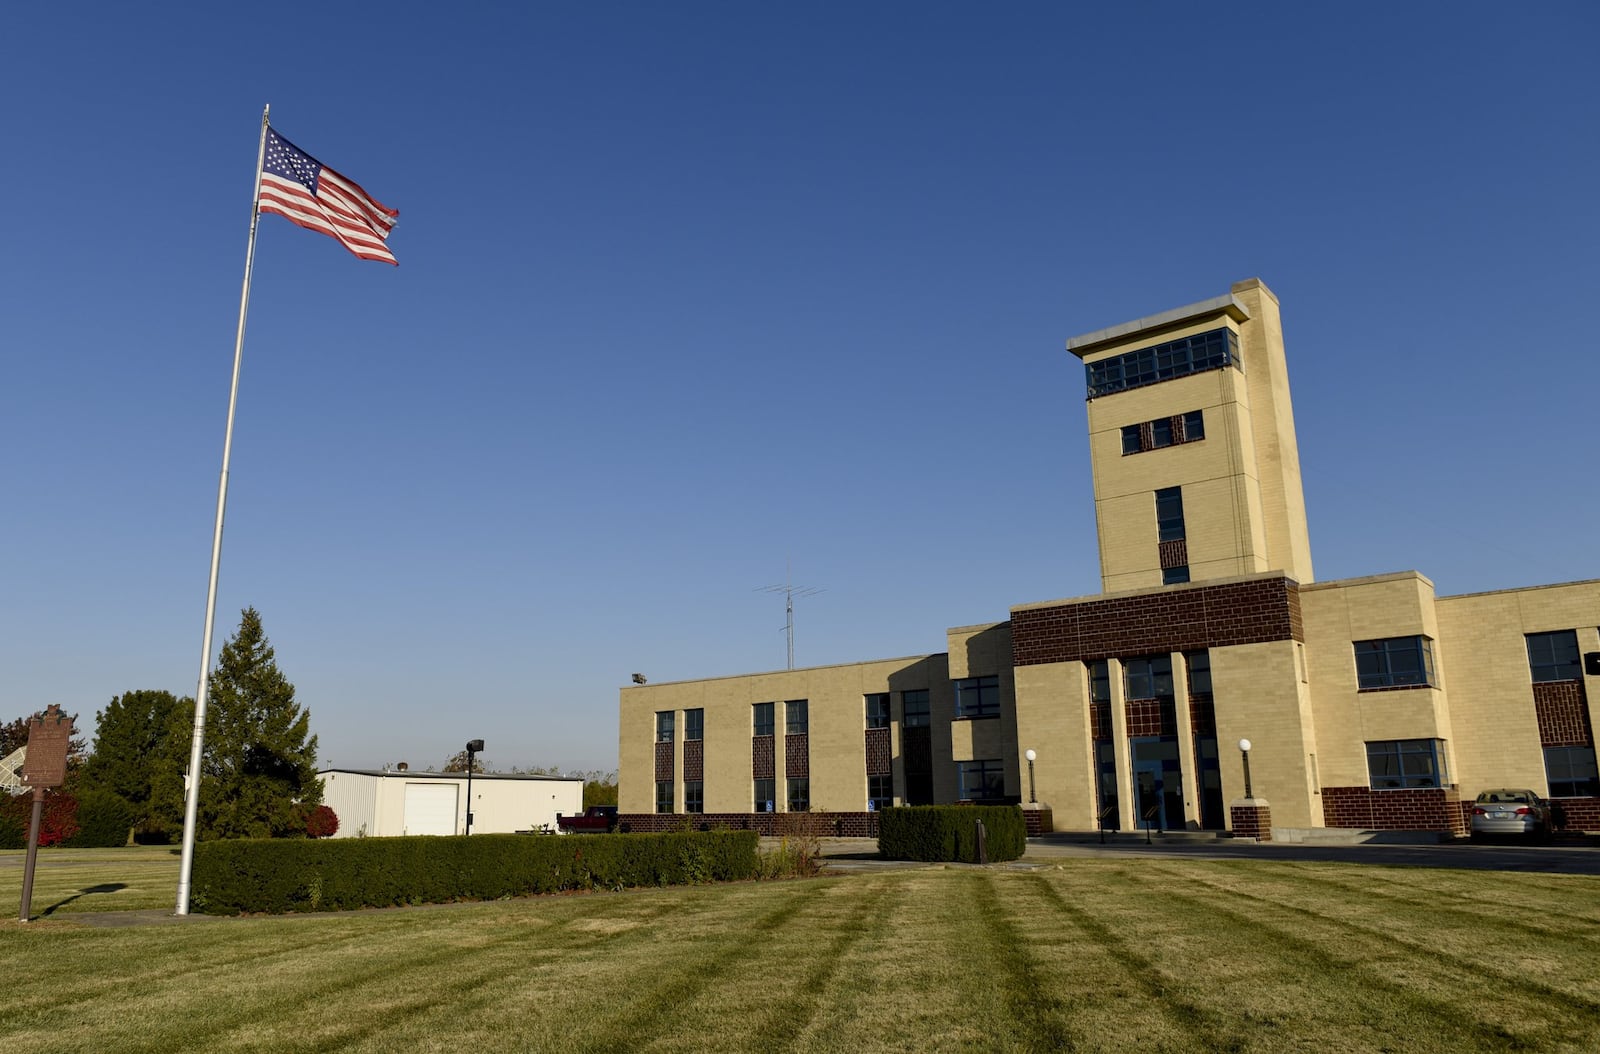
(49, 734)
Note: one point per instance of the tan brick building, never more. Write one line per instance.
(1368, 702)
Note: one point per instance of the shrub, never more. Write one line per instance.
(949, 832)
(13, 832)
(104, 819)
(57, 823)
(322, 822)
(798, 853)
(286, 875)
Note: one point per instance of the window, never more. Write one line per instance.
(1398, 764)
(664, 726)
(795, 717)
(1099, 681)
(663, 796)
(1106, 764)
(799, 794)
(1571, 772)
(878, 710)
(1554, 656)
(978, 697)
(1161, 433)
(915, 703)
(880, 792)
(761, 719)
(1199, 663)
(1394, 662)
(694, 724)
(981, 779)
(1169, 513)
(1149, 677)
(1175, 576)
(1162, 362)
(764, 800)
(694, 796)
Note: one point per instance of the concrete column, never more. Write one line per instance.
(1127, 811)
(1187, 761)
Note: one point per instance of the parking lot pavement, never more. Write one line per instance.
(861, 854)
(1572, 860)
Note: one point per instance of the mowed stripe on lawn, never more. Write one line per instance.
(1088, 955)
(1446, 968)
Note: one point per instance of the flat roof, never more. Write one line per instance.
(408, 773)
(777, 673)
(1226, 304)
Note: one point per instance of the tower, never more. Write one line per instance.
(1192, 444)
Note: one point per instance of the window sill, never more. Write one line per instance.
(976, 717)
(1394, 688)
(1430, 787)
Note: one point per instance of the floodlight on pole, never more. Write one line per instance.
(473, 747)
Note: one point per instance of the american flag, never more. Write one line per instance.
(304, 191)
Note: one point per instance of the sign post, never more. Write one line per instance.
(49, 734)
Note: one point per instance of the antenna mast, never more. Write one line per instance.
(789, 591)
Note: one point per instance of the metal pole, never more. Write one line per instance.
(1246, 755)
(191, 788)
(1032, 798)
(33, 854)
(469, 791)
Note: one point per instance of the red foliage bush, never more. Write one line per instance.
(57, 823)
(323, 822)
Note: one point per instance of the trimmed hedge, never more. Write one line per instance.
(284, 875)
(949, 832)
(104, 820)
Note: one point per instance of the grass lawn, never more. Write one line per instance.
(1115, 955)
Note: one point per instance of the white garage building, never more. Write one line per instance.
(380, 803)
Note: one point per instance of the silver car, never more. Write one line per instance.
(1510, 811)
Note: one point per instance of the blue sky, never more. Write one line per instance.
(689, 291)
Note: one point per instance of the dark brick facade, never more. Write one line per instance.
(761, 763)
(1174, 553)
(663, 762)
(1418, 809)
(768, 824)
(878, 752)
(1251, 821)
(1151, 717)
(1203, 715)
(1176, 619)
(1577, 814)
(797, 755)
(1563, 714)
(694, 759)
(1038, 821)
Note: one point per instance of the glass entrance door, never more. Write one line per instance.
(1157, 782)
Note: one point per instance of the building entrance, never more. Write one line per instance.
(1157, 782)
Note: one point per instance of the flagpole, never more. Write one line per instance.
(191, 780)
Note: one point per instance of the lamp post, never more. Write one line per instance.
(1030, 755)
(473, 746)
(1244, 750)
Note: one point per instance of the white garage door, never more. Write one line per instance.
(430, 808)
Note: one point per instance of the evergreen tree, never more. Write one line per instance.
(259, 774)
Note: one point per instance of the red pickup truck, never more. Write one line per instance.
(596, 819)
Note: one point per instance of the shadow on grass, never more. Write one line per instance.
(107, 887)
